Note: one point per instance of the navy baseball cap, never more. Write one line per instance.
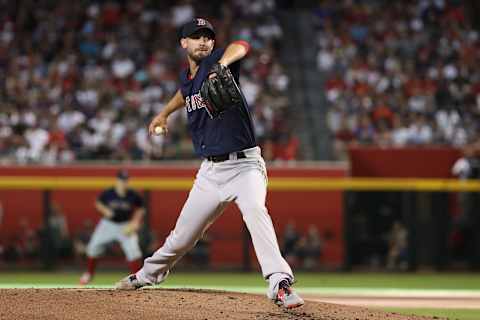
(122, 174)
(193, 26)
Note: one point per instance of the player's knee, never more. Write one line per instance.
(93, 251)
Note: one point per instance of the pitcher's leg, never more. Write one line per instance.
(251, 201)
(200, 210)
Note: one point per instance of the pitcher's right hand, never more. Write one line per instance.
(159, 121)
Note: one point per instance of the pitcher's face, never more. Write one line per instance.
(199, 45)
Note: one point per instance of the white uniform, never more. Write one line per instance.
(216, 185)
(242, 178)
(106, 232)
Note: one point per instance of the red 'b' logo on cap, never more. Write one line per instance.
(201, 22)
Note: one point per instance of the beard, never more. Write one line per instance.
(198, 55)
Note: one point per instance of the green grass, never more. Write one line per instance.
(64, 278)
(460, 314)
(391, 280)
(338, 281)
(306, 280)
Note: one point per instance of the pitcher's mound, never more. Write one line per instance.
(165, 304)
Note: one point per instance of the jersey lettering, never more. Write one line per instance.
(194, 102)
(233, 131)
(120, 205)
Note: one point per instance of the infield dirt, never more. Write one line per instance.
(168, 304)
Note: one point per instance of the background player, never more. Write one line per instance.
(122, 213)
(233, 170)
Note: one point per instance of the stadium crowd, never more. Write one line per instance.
(81, 80)
(399, 73)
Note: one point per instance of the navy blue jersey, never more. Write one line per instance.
(231, 131)
(122, 207)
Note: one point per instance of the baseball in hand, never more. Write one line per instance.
(158, 130)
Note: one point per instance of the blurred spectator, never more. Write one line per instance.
(23, 245)
(468, 166)
(59, 232)
(310, 247)
(465, 237)
(29, 242)
(81, 82)
(302, 250)
(399, 74)
(397, 258)
(343, 138)
(290, 243)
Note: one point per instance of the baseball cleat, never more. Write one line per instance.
(286, 297)
(129, 283)
(86, 278)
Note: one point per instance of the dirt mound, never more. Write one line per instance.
(165, 304)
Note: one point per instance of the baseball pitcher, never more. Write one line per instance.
(233, 169)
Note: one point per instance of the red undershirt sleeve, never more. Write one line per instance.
(243, 43)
